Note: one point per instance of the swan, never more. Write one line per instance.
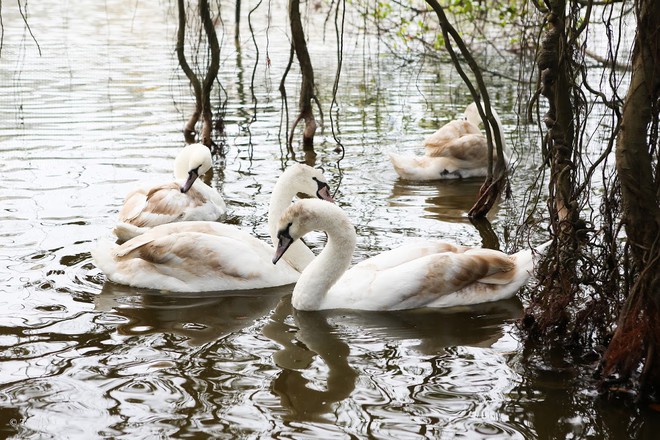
(425, 274)
(457, 150)
(187, 198)
(200, 256)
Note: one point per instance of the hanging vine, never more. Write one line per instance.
(496, 177)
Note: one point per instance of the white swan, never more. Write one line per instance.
(457, 150)
(187, 198)
(203, 256)
(428, 274)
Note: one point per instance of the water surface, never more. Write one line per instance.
(98, 106)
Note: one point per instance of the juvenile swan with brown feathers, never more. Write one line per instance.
(457, 150)
(187, 198)
(423, 274)
(210, 256)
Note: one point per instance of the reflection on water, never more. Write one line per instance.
(444, 200)
(102, 108)
(198, 318)
(307, 390)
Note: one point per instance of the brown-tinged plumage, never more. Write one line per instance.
(421, 274)
(457, 150)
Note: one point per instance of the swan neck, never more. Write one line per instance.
(280, 199)
(298, 255)
(327, 268)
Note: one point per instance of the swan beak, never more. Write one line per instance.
(324, 193)
(283, 244)
(192, 176)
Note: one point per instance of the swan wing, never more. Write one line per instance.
(449, 132)
(183, 259)
(408, 252)
(434, 168)
(209, 229)
(148, 207)
(471, 149)
(416, 283)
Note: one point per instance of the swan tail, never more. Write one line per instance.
(400, 164)
(414, 167)
(125, 231)
(103, 256)
(527, 259)
(524, 261)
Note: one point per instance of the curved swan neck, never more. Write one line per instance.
(193, 155)
(335, 259)
(500, 130)
(298, 255)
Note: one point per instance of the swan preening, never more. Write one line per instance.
(457, 150)
(186, 198)
(424, 274)
(199, 256)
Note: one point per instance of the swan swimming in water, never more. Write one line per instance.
(424, 274)
(457, 150)
(187, 198)
(200, 256)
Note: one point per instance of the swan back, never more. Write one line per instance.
(472, 116)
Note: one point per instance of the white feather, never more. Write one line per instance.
(423, 274)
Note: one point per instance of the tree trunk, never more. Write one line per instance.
(638, 331)
(558, 280)
(211, 73)
(189, 128)
(202, 89)
(307, 87)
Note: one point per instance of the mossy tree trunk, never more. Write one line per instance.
(637, 335)
(548, 310)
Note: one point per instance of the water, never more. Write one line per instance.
(101, 108)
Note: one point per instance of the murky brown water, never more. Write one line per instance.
(99, 110)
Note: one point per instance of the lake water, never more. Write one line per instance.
(99, 105)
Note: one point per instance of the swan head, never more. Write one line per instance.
(304, 179)
(193, 161)
(309, 215)
(472, 114)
